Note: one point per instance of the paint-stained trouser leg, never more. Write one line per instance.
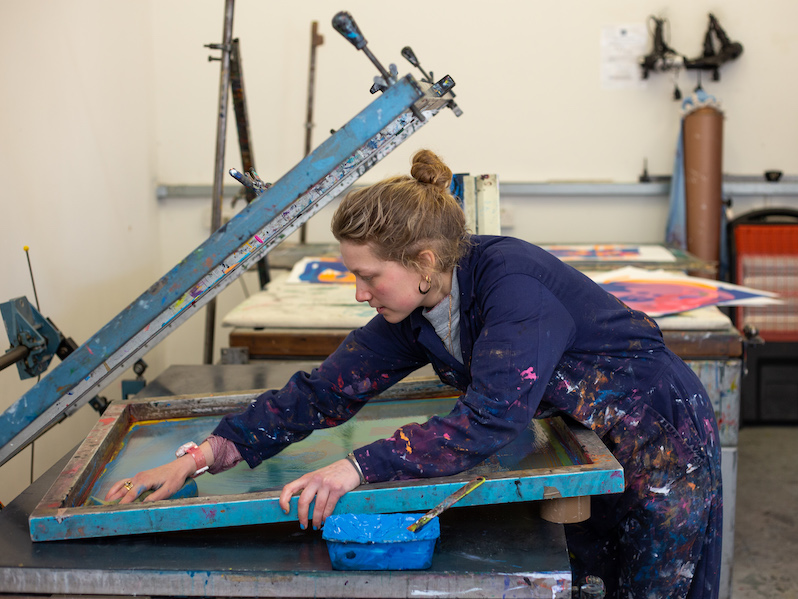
(662, 536)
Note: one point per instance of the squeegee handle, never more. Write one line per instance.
(344, 24)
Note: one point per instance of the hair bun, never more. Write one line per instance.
(428, 168)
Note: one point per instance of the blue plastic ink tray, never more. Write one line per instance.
(379, 542)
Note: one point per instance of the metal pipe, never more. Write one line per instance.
(14, 355)
(733, 185)
(218, 175)
(315, 40)
(240, 109)
(242, 126)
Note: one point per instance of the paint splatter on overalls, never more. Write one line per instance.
(662, 536)
(538, 338)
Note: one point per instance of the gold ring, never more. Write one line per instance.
(128, 484)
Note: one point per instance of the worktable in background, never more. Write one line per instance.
(309, 321)
(291, 320)
(483, 551)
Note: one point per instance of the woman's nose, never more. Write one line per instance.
(361, 295)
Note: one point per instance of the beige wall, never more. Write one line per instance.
(77, 173)
(101, 102)
(527, 78)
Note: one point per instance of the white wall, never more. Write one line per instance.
(100, 102)
(77, 168)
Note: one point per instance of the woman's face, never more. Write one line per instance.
(387, 286)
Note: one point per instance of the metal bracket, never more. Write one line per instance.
(34, 339)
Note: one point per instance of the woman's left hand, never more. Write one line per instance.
(326, 485)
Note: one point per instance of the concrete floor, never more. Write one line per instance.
(766, 519)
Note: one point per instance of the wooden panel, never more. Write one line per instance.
(320, 343)
(704, 344)
(292, 343)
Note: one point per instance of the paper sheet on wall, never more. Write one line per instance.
(622, 46)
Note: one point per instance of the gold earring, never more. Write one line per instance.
(429, 286)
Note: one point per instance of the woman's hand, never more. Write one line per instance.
(164, 480)
(327, 485)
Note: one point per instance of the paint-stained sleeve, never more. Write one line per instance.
(525, 332)
(370, 360)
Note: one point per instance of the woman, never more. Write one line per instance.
(522, 335)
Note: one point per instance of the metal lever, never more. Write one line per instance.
(408, 53)
(250, 180)
(441, 87)
(344, 24)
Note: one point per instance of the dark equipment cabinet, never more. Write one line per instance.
(764, 255)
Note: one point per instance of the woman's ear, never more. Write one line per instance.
(427, 260)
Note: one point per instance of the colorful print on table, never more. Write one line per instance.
(659, 293)
(320, 270)
(611, 253)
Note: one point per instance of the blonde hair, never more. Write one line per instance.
(402, 216)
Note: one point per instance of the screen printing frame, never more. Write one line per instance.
(61, 515)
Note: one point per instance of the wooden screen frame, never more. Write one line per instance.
(61, 514)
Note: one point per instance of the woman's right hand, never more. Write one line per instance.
(164, 481)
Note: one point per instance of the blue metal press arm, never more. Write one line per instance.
(221, 259)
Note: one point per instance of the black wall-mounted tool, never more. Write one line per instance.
(663, 58)
(712, 59)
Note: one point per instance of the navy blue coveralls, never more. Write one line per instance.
(538, 338)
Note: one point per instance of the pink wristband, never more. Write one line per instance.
(195, 452)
